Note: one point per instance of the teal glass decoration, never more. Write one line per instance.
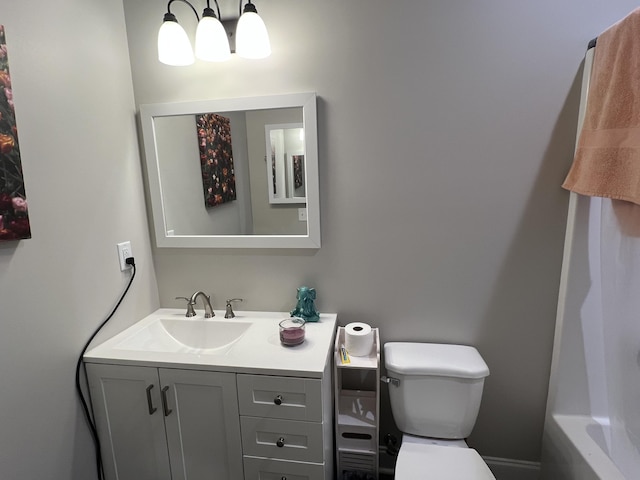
(305, 308)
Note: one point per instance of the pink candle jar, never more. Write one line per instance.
(292, 331)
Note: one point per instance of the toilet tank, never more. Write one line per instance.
(439, 388)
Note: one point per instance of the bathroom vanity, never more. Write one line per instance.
(178, 398)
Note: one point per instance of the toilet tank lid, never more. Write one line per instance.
(437, 359)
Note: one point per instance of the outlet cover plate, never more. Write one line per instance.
(124, 252)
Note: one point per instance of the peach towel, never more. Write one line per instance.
(607, 161)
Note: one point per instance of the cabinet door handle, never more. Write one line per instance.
(280, 442)
(165, 403)
(278, 400)
(152, 409)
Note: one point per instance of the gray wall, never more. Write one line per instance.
(75, 113)
(445, 130)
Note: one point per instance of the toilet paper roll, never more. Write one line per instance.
(358, 339)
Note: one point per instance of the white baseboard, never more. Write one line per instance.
(507, 469)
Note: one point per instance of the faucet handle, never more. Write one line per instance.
(229, 313)
(190, 303)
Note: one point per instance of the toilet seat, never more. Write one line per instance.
(458, 443)
(435, 462)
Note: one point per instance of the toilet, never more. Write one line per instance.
(435, 392)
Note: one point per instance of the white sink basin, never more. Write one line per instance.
(184, 335)
(248, 343)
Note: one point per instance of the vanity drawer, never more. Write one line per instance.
(280, 397)
(269, 469)
(283, 439)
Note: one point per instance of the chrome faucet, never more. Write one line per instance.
(206, 300)
(191, 303)
(229, 313)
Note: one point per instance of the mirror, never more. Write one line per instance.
(285, 163)
(212, 166)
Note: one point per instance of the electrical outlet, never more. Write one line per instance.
(124, 252)
(302, 214)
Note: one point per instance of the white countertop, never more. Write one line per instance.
(258, 350)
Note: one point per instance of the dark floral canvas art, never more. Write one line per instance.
(216, 159)
(14, 215)
(298, 173)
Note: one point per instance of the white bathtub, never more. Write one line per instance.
(576, 447)
(592, 424)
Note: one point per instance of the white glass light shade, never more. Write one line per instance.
(252, 39)
(174, 47)
(212, 43)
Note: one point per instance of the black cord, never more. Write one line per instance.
(85, 406)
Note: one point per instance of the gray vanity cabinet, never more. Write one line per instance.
(166, 424)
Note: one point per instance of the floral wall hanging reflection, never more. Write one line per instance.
(14, 217)
(298, 174)
(216, 159)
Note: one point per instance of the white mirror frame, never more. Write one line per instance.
(309, 113)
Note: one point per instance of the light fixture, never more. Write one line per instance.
(252, 39)
(212, 43)
(212, 38)
(174, 47)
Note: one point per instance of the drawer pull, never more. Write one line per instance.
(283, 478)
(278, 400)
(150, 406)
(280, 442)
(165, 404)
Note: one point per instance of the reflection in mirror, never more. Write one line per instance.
(212, 184)
(285, 163)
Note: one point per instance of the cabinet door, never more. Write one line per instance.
(202, 423)
(132, 436)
